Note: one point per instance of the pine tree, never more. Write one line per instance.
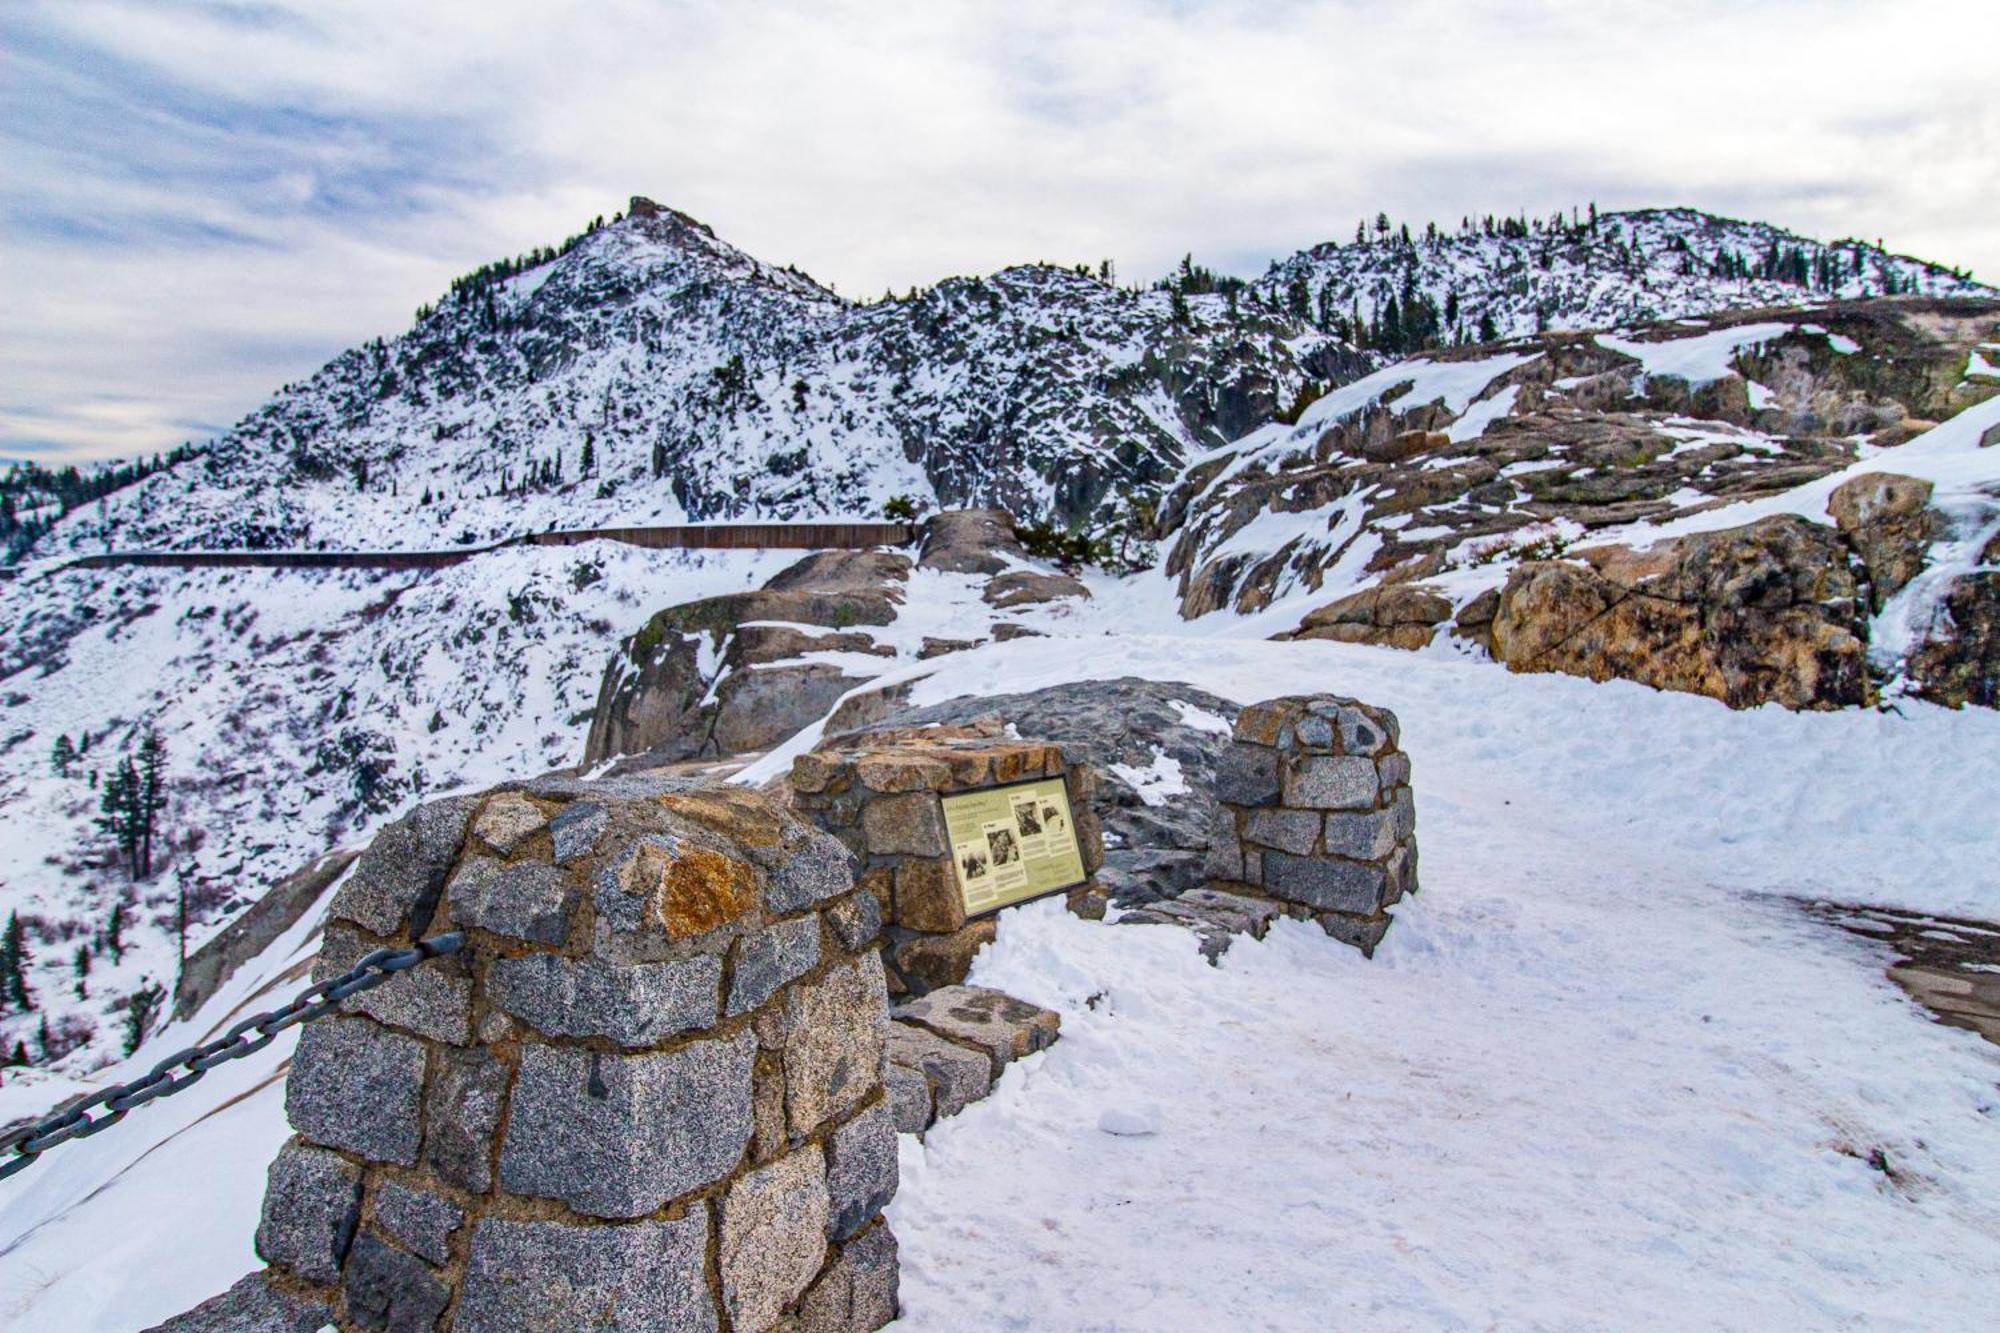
(82, 965)
(589, 461)
(1487, 332)
(114, 932)
(141, 1008)
(14, 959)
(152, 795)
(63, 756)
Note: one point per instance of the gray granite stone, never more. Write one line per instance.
(857, 1293)
(860, 1170)
(907, 825)
(398, 878)
(312, 1199)
(1363, 932)
(1247, 774)
(575, 830)
(635, 1005)
(856, 921)
(833, 1048)
(618, 1136)
(816, 866)
(1362, 835)
(1394, 768)
(958, 1077)
(1402, 872)
(1314, 733)
(432, 999)
(420, 1222)
(507, 821)
(551, 1277)
(1294, 831)
(774, 1224)
(1331, 782)
(386, 1289)
(529, 901)
(985, 1019)
(909, 1099)
(1323, 884)
(767, 959)
(463, 1111)
(253, 1305)
(355, 1085)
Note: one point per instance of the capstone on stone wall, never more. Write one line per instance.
(648, 1095)
(1315, 811)
(881, 795)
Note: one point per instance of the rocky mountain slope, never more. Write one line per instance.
(1413, 497)
(648, 371)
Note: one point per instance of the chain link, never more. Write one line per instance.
(26, 1144)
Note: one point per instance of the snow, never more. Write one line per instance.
(1155, 783)
(1200, 719)
(1699, 360)
(1975, 364)
(1482, 414)
(1600, 1068)
(1407, 384)
(1599, 1063)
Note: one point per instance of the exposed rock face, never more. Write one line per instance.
(696, 681)
(1886, 518)
(1396, 615)
(1960, 664)
(970, 541)
(1568, 431)
(1761, 614)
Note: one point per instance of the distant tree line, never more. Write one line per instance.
(28, 491)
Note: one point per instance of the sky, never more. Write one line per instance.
(202, 201)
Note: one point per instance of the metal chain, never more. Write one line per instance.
(183, 1068)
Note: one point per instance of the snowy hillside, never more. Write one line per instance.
(1487, 280)
(651, 373)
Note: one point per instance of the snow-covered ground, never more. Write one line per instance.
(1601, 1074)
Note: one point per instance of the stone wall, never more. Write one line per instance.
(880, 795)
(1315, 812)
(648, 1094)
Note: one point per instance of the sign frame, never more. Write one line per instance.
(1033, 841)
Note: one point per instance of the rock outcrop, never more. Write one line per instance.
(723, 675)
(1768, 613)
(1888, 521)
(1395, 615)
(1960, 663)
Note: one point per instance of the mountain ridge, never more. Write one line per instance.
(703, 383)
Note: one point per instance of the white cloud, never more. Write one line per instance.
(205, 200)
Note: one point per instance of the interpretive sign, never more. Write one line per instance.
(1012, 843)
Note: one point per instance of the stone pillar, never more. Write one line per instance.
(880, 794)
(1315, 811)
(648, 1095)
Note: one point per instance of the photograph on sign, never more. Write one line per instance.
(1012, 843)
